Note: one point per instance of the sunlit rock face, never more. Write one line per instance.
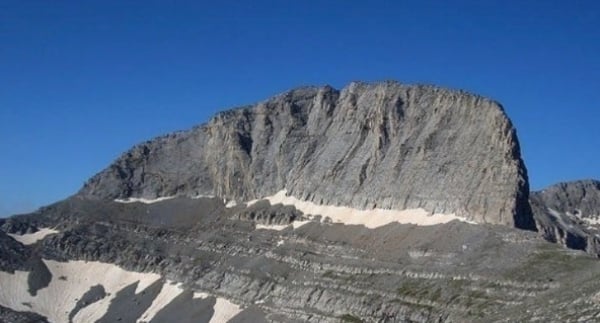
(384, 145)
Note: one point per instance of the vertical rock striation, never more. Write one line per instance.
(384, 145)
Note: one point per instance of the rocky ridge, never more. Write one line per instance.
(384, 145)
(569, 213)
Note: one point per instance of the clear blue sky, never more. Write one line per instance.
(82, 81)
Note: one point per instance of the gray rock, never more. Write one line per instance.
(577, 197)
(455, 272)
(39, 277)
(263, 214)
(127, 306)
(251, 314)
(383, 145)
(8, 315)
(569, 214)
(94, 294)
(13, 225)
(186, 309)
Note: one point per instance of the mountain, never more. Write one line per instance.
(377, 203)
(569, 213)
(383, 145)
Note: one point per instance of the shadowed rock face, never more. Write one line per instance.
(569, 214)
(10, 316)
(13, 255)
(384, 145)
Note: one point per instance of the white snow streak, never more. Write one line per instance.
(203, 196)
(592, 221)
(277, 227)
(168, 292)
(143, 200)
(230, 204)
(31, 238)
(373, 218)
(224, 311)
(71, 280)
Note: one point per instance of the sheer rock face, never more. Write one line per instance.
(569, 213)
(384, 145)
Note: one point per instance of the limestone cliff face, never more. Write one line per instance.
(384, 145)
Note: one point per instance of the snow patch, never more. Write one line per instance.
(70, 280)
(252, 202)
(277, 227)
(200, 295)
(203, 196)
(144, 200)
(592, 220)
(224, 311)
(31, 238)
(297, 224)
(169, 291)
(371, 219)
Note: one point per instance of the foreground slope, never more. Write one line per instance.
(383, 145)
(191, 259)
(377, 203)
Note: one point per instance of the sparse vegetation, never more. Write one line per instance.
(329, 274)
(410, 288)
(350, 318)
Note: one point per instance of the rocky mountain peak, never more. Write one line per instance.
(368, 190)
(370, 145)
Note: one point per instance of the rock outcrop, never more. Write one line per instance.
(569, 214)
(384, 145)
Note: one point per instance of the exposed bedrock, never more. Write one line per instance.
(569, 214)
(384, 145)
